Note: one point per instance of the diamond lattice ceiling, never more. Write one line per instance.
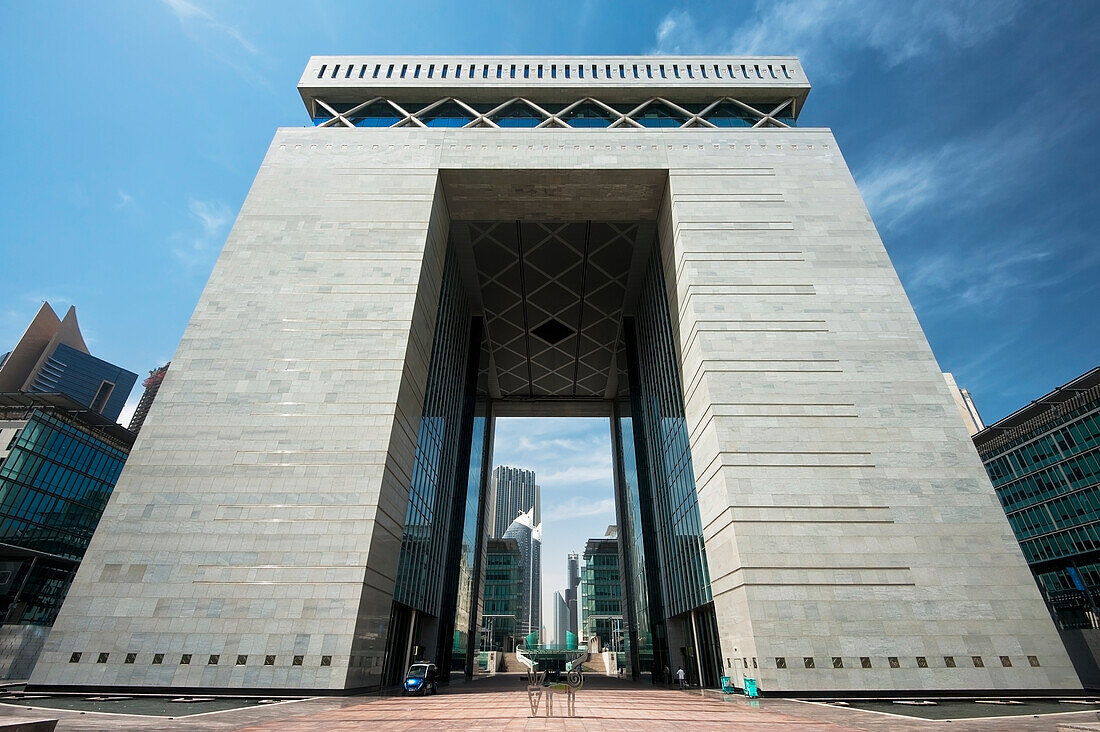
(553, 297)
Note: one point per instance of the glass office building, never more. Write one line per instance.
(514, 492)
(58, 466)
(504, 582)
(602, 594)
(1044, 461)
(528, 536)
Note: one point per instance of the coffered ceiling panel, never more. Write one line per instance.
(553, 297)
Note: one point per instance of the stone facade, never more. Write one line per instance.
(846, 515)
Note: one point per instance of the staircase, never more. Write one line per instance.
(595, 664)
(535, 658)
(510, 664)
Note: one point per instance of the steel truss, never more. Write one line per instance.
(558, 120)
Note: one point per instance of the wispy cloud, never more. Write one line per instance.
(599, 471)
(576, 508)
(980, 276)
(195, 248)
(964, 171)
(212, 216)
(191, 15)
(825, 32)
(124, 199)
(222, 41)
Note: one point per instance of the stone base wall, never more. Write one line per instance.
(19, 649)
(1083, 646)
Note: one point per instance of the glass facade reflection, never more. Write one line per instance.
(429, 575)
(54, 485)
(468, 608)
(643, 628)
(677, 578)
(601, 594)
(1044, 462)
(504, 584)
(658, 411)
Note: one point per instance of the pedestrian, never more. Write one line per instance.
(666, 677)
(682, 678)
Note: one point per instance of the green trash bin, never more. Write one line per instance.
(727, 685)
(750, 688)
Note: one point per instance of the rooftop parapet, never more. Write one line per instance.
(553, 86)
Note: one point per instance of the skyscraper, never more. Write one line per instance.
(52, 357)
(152, 386)
(573, 578)
(528, 536)
(561, 619)
(514, 492)
(653, 240)
(965, 404)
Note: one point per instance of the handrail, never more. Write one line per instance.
(522, 658)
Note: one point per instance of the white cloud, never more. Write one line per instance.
(195, 249)
(895, 189)
(569, 455)
(823, 32)
(987, 273)
(212, 216)
(676, 33)
(598, 471)
(127, 412)
(222, 42)
(191, 15)
(576, 508)
(963, 172)
(978, 276)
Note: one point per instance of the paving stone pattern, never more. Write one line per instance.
(500, 703)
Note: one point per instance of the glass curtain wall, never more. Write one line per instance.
(54, 486)
(428, 569)
(641, 628)
(471, 570)
(659, 427)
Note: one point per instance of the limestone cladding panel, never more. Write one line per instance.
(844, 509)
(262, 512)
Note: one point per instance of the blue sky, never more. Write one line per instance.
(131, 132)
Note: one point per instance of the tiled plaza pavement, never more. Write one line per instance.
(500, 703)
(604, 704)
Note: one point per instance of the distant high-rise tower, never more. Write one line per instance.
(561, 619)
(965, 405)
(573, 578)
(52, 357)
(602, 591)
(514, 492)
(528, 536)
(152, 386)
